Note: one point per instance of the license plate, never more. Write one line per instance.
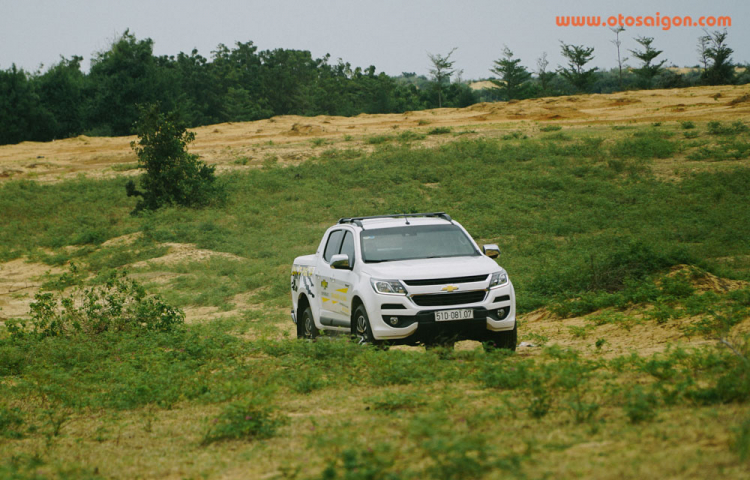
(460, 314)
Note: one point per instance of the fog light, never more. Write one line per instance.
(501, 313)
(394, 320)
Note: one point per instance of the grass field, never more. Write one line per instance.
(627, 378)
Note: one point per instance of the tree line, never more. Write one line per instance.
(235, 84)
(243, 84)
(515, 81)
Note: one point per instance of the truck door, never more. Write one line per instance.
(325, 281)
(343, 280)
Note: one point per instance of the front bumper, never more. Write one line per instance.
(399, 318)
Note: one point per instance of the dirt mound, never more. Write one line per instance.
(123, 240)
(19, 282)
(704, 281)
(183, 252)
(611, 333)
(739, 100)
(298, 129)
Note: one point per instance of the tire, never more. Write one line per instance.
(306, 325)
(362, 330)
(501, 340)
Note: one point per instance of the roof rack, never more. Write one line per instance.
(358, 220)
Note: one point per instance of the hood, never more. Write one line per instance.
(431, 268)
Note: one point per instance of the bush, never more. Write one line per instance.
(173, 176)
(550, 128)
(640, 406)
(11, 422)
(378, 139)
(440, 131)
(243, 421)
(121, 304)
(717, 128)
(645, 147)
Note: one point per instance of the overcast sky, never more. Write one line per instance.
(393, 35)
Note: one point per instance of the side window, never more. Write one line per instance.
(347, 247)
(332, 247)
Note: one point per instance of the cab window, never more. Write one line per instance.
(333, 245)
(347, 247)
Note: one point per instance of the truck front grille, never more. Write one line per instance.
(444, 299)
(445, 281)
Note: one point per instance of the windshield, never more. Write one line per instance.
(413, 242)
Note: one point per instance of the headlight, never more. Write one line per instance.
(392, 287)
(499, 279)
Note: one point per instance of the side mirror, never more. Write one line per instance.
(491, 250)
(340, 262)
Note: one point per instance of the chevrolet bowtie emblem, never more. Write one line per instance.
(449, 288)
(324, 284)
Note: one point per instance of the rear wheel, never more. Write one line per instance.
(307, 328)
(501, 340)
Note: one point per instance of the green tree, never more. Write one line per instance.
(648, 70)
(576, 73)
(22, 115)
(172, 175)
(544, 76)
(512, 75)
(122, 78)
(441, 71)
(62, 92)
(720, 70)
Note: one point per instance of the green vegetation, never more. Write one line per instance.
(439, 131)
(172, 175)
(513, 76)
(110, 365)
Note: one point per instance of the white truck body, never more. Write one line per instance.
(432, 299)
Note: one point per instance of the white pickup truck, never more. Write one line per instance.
(404, 279)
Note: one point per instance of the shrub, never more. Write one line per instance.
(121, 304)
(410, 135)
(173, 176)
(550, 128)
(11, 422)
(440, 131)
(514, 136)
(243, 421)
(687, 125)
(645, 147)
(717, 128)
(396, 401)
(378, 139)
(640, 406)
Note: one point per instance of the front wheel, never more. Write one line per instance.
(501, 340)
(306, 327)
(362, 329)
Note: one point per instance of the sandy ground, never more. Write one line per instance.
(290, 138)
